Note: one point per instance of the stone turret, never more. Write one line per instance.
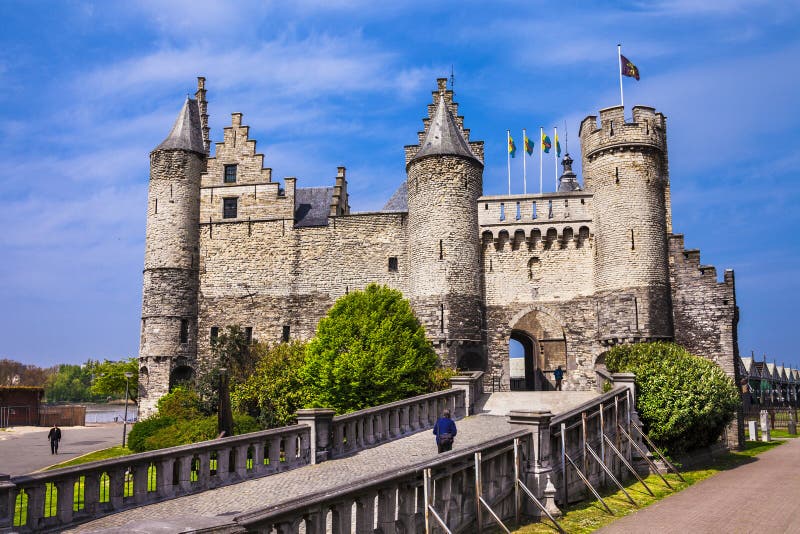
(445, 179)
(625, 168)
(169, 301)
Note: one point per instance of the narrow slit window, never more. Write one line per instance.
(533, 213)
(230, 174)
(214, 334)
(393, 264)
(184, 336)
(441, 318)
(633, 242)
(549, 209)
(616, 175)
(441, 249)
(156, 206)
(502, 211)
(286, 333)
(248, 334)
(519, 212)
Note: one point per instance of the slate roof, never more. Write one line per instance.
(444, 137)
(187, 132)
(399, 200)
(312, 206)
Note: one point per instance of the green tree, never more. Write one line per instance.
(230, 351)
(109, 379)
(71, 383)
(684, 401)
(370, 349)
(273, 391)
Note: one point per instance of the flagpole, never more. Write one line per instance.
(541, 156)
(619, 58)
(555, 155)
(508, 158)
(524, 166)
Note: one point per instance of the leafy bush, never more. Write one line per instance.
(370, 349)
(179, 421)
(144, 429)
(684, 401)
(274, 391)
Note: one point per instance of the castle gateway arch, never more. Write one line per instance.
(536, 346)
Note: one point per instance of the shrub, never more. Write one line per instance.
(684, 401)
(274, 391)
(370, 349)
(180, 403)
(194, 430)
(144, 429)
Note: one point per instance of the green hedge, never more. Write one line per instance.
(684, 401)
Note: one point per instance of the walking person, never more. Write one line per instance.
(54, 436)
(445, 432)
(558, 374)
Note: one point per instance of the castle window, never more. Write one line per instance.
(519, 212)
(549, 209)
(229, 208)
(502, 211)
(441, 249)
(616, 175)
(286, 333)
(533, 214)
(214, 334)
(248, 334)
(441, 311)
(486, 206)
(230, 174)
(633, 243)
(184, 331)
(393, 264)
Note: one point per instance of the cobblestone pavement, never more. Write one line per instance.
(214, 506)
(24, 450)
(762, 496)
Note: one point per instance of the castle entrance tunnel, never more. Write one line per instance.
(180, 375)
(536, 346)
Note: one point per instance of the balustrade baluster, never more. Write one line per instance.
(365, 514)
(315, 521)
(91, 493)
(35, 505)
(66, 496)
(406, 507)
(223, 459)
(369, 428)
(116, 486)
(386, 510)
(140, 478)
(405, 425)
(342, 517)
(240, 464)
(274, 455)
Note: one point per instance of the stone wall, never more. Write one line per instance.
(268, 274)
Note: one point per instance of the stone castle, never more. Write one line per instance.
(566, 274)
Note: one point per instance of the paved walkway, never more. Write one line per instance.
(24, 450)
(217, 506)
(762, 496)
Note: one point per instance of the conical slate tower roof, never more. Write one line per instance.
(444, 137)
(187, 132)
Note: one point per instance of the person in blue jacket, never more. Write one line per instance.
(445, 432)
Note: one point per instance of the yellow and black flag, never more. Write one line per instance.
(628, 68)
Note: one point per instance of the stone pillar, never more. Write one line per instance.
(8, 496)
(320, 421)
(467, 383)
(537, 472)
(765, 426)
(66, 498)
(751, 428)
(792, 421)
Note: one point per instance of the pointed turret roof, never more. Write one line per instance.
(187, 132)
(444, 137)
(568, 181)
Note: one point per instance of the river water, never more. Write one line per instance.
(109, 413)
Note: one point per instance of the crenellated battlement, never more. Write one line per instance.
(647, 131)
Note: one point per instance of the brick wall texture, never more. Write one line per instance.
(570, 274)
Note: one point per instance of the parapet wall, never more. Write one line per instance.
(648, 129)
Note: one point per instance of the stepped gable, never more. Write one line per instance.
(187, 132)
(399, 200)
(312, 205)
(444, 136)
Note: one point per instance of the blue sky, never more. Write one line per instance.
(87, 89)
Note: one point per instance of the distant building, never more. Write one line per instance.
(19, 405)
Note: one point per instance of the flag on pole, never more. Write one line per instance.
(512, 148)
(558, 145)
(528, 145)
(628, 68)
(546, 144)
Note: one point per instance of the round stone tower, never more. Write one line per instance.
(445, 179)
(625, 167)
(168, 345)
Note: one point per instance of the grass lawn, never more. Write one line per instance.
(103, 454)
(781, 433)
(588, 516)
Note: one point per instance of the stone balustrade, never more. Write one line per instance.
(64, 496)
(360, 430)
(396, 502)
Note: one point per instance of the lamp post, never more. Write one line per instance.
(128, 375)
